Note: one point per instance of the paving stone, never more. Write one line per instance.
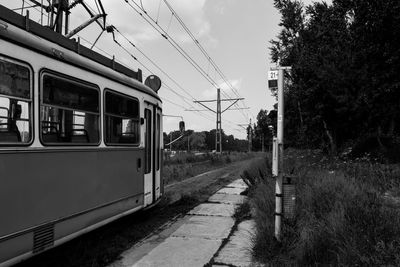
(195, 239)
(211, 209)
(237, 184)
(237, 251)
(209, 227)
(176, 252)
(227, 199)
(231, 190)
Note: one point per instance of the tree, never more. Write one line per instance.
(204, 140)
(197, 141)
(262, 130)
(344, 80)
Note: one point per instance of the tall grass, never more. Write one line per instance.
(343, 216)
(185, 165)
(183, 157)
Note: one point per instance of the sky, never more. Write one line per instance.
(234, 33)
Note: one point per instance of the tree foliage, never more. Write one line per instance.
(345, 80)
(203, 141)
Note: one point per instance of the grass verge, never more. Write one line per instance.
(347, 213)
(183, 166)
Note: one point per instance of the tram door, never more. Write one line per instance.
(148, 157)
(152, 154)
(158, 155)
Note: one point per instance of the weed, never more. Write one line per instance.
(258, 170)
(242, 212)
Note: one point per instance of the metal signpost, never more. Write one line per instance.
(276, 77)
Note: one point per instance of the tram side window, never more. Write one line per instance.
(69, 112)
(121, 119)
(15, 103)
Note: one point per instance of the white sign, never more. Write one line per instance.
(273, 75)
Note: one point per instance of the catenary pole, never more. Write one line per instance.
(218, 112)
(218, 134)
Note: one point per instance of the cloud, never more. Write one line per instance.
(236, 84)
(225, 88)
(191, 12)
(219, 8)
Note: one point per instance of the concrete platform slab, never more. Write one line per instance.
(209, 227)
(227, 199)
(211, 209)
(142, 248)
(231, 190)
(237, 251)
(238, 184)
(176, 251)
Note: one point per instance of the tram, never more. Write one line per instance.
(80, 139)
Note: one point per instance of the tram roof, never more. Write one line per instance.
(46, 33)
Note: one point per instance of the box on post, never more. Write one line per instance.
(289, 196)
(275, 157)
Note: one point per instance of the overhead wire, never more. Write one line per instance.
(186, 100)
(172, 41)
(155, 64)
(150, 60)
(165, 84)
(156, 29)
(202, 49)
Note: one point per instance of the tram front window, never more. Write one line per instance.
(15, 103)
(69, 112)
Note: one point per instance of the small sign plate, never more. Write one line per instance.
(272, 79)
(272, 75)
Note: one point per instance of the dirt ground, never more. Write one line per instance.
(104, 245)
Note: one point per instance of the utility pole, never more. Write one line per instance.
(218, 112)
(250, 137)
(218, 133)
(249, 134)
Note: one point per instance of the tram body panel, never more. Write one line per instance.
(60, 191)
(48, 186)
